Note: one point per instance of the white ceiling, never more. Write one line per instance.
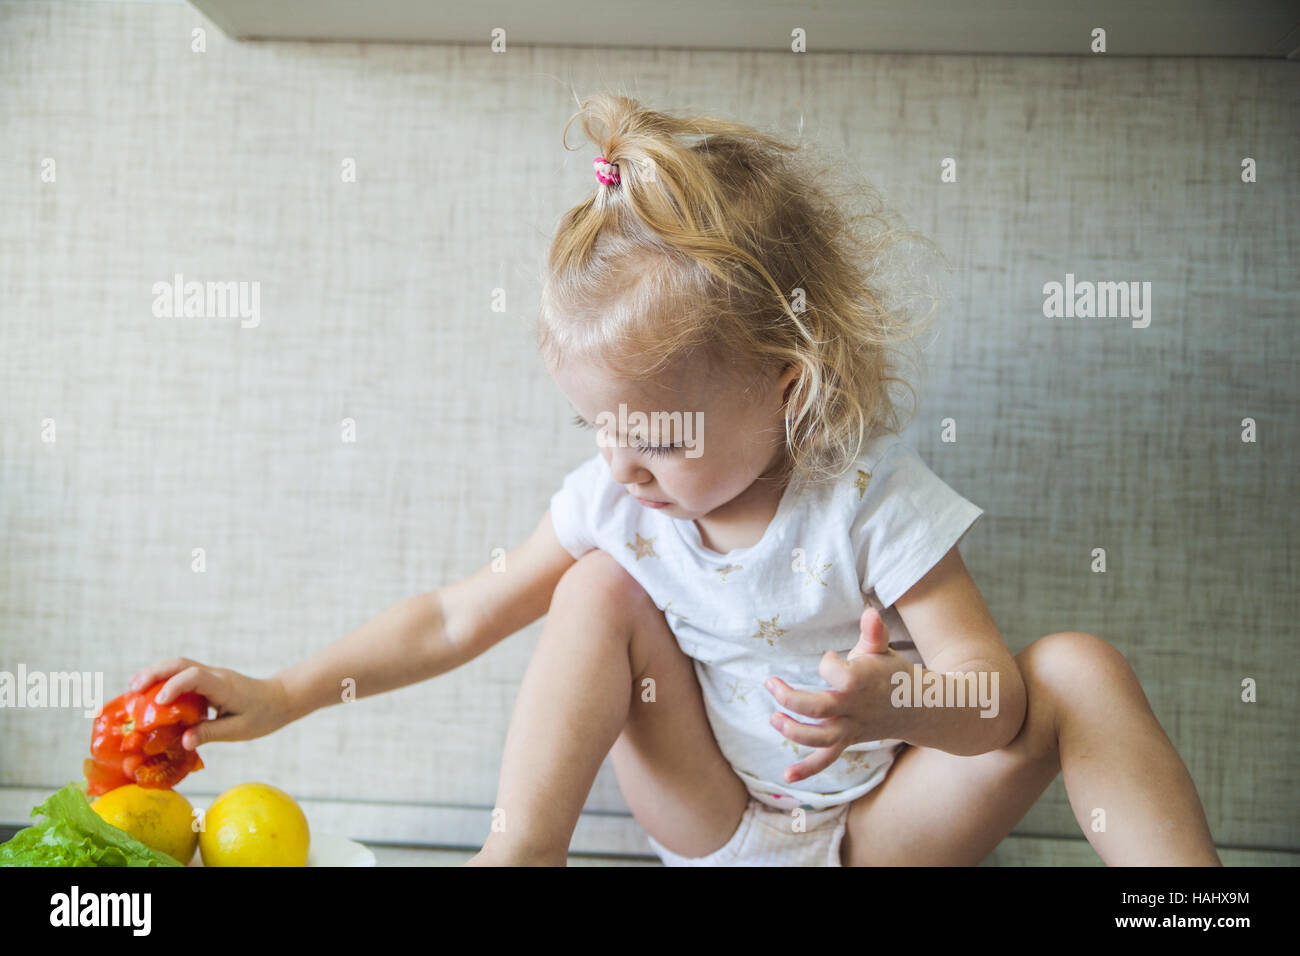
(1256, 28)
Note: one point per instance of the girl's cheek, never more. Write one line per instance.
(686, 489)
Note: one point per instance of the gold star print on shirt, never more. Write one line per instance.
(644, 547)
(767, 630)
(815, 572)
(737, 693)
(728, 569)
(861, 482)
(857, 759)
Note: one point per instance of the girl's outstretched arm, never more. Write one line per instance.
(425, 635)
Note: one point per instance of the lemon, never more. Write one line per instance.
(160, 819)
(254, 824)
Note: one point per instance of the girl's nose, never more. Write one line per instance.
(623, 466)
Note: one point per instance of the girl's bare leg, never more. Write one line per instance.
(1088, 718)
(583, 695)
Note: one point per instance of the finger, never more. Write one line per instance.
(835, 671)
(811, 766)
(201, 680)
(223, 728)
(152, 674)
(810, 735)
(872, 627)
(873, 635)
(806, 702)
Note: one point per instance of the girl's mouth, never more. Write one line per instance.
(651, 504)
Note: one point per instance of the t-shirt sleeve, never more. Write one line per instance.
(571, 508)
(906, 520)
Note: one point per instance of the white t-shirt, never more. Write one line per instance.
(775, 608)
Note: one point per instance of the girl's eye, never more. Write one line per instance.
(656, 451)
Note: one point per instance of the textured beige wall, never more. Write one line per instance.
(375, 304)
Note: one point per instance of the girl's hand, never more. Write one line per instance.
(855, 710)
(246, 707)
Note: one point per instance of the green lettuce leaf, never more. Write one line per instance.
(73, 834)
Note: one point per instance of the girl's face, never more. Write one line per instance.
(727, 436)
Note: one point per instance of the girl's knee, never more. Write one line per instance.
(1070, 661)
(596, 579)
(1070, 670)
(1060, 671)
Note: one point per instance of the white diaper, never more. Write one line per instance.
(768, 837)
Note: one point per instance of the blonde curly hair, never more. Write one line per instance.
(725, 242)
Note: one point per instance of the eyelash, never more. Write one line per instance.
(654, 451)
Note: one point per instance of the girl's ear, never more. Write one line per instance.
(789, 377)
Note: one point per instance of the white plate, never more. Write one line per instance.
(327, 850)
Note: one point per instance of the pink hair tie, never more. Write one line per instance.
(606, 171)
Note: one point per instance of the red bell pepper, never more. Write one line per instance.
(137, 740)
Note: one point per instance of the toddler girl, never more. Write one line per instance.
(755, 602)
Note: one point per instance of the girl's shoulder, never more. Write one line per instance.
(891, 473)
(895, 492)
(905, 516)
(883, 481)
(879, 448)
(882, 453)
(590, 509)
